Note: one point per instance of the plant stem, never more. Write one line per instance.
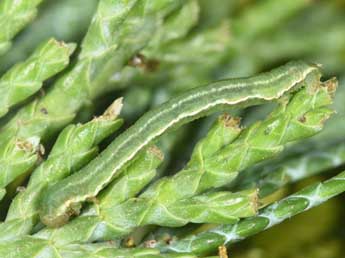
(276, 213)
(271, 178)
(30, 247)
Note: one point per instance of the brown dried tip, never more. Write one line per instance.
(129, 242)
(222, 252)
(24, 145)
(69, 46)
(29, 145)
(167, 239)
(255, 200)
(230, 121)
(302, 119)
(331, 84)
(150, 243)
(112, 111)
(139, 60)
(156, 151)
(73, 210)
(40, 150)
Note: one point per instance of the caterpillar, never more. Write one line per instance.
(64, 198)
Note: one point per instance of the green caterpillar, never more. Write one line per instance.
(64, 198)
